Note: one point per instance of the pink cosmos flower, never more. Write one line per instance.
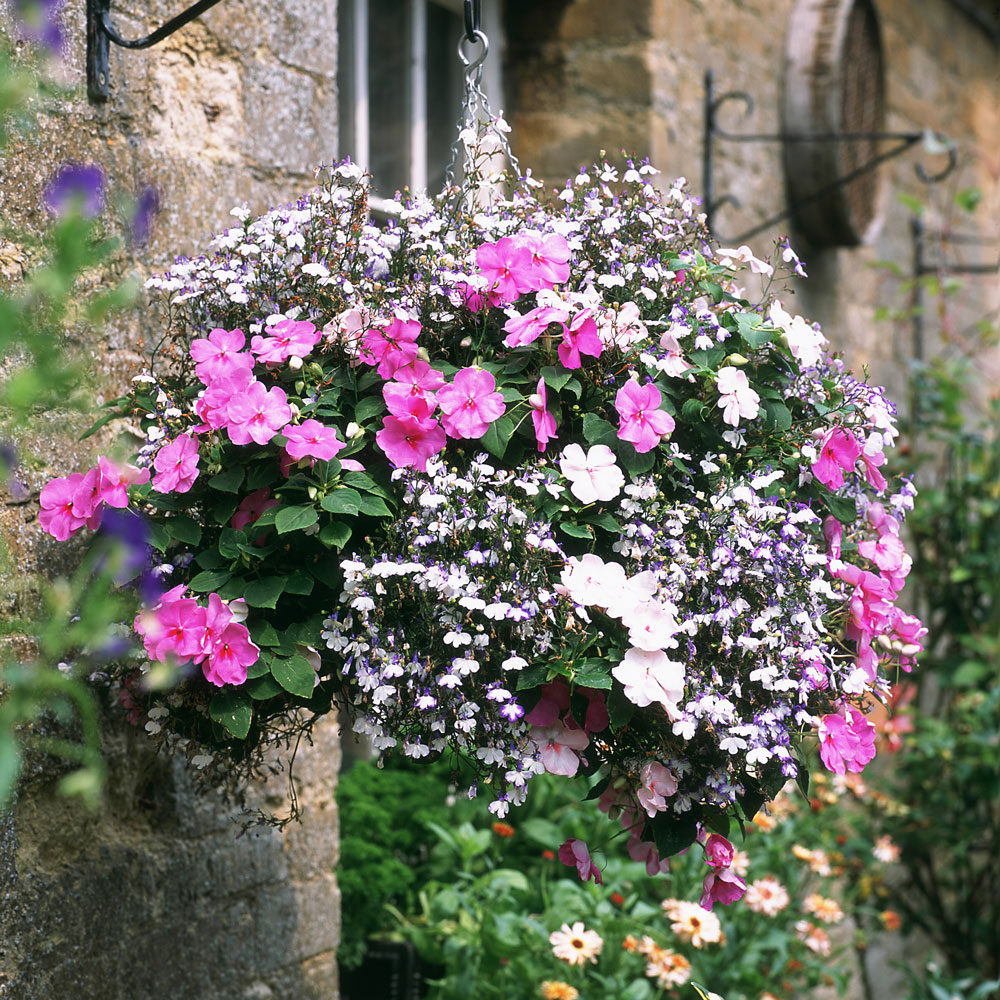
(176, 465)
(115, 481)
(721, 886)
(719, 852)
(645, 853)
(413, 382)
(657, 784)
(641, 421)
(736, 397)
(251, 507)
(575, 854)
(528, 328)
(219, 356)
(837, 455)
(558, 747)
(213, 406)
(311, 439)
(409, 441)
(506, 267)
(258, 414)
(594, 475)
(56, 499)
(649, 677)
(579, 337)
(846, 741)
(289, 338)
(544, 422)
(550, 254)
(232, 653)
(470, 404)
(391, 346)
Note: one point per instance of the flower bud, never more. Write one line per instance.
(353, 430)
(535, 401)
(295, 362)
(423, 354)
(910, 649)
(737, 359)
(885, 642)
(465, 342)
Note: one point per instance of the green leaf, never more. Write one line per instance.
(778, 415)
(369, 406)
(229, 480)
(94, 428)
(672, 833)
(598, 431)
(605, 521)
(532, 677)
(264, 593)
(223, 511)
(691, 411)
(230, 541)
(709, 358)
(592, 674)
(263, 634)
(294, 674)
(233, 711)
(343, 500)
(753, 334)
(261, 474)
(634, 462)
(374, 507)
(299, 582)
(290, 519)
(620, 709)
(260, 667)
(209, 580)
(717, 823)
(327, 571)
(844, 509)
(262, 688)
(497, 435)
(184, 529)
(510, 394)
(715, 290)
(362, 481)
(576, 530)
(159, 537)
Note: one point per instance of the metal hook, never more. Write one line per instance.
(474, 67)
(940, 176)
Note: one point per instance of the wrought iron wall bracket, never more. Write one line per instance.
(100, 34)
(713, 132)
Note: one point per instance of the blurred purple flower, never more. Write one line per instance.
(76, 187)
(147, 207)
(126, 536)
(8, 473)
(37, 21)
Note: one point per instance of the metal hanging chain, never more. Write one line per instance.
(475, 104)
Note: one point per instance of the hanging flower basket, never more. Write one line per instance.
(551, 483)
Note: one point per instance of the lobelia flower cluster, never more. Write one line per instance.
(535, 482)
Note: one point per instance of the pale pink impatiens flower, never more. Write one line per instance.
(311, 439)
(846, 741)
(575, 854)
(651, 625)
(641, 421)
(470, 404)
(559, 747)
(593, 476)
(656, 784)
(544, 422)
(649, 677)
(257, 414)
(737, 399)
(176, 465)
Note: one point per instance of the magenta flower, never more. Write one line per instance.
(390, 347)
(409, 442)
(289, 338)
(217, 617)
(550, 254)
(846, 741)
(871, 462)
(232, 653)
(115, 481)
(87, 497)
(311, 439)
(470, 404)
(575, 854)
(213, 406)
(56, 499)
(719, 852)
(219, 356)
(580, 337)
(837, 455)
(258, 414)
(641, 421)
(721, 886)
(176, 465)
(528, 328)
(413, 391)
(833, 531)
(178, 629)
(645, 852)
(251, 507)
(545, 423)
(507, 268)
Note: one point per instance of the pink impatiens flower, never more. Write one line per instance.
(545, 423)
(594, 475)
(721, 886)
(528, 328)
(252, 506)
(837, 455)
(289, 338)
(213, 407)
(413, 383)
(409, 442)
(649, 677)
(506, 266)
(846, 741)
(176, 465)
(641, 421)
(736, 397)
(116, 479)
(558, 747)
(575, 854)
(645, 852)
(579, 337)
(719, 852)
(219, 356)
(657, 784)
(56, 499)
(231, 654)
(258, 414)
(549, 258)
(391, 346)
(470, 404)
(311, 439)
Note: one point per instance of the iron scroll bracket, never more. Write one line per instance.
(714, 132)
(100, 34)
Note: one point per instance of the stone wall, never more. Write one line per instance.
(586, 75)
(156, 896)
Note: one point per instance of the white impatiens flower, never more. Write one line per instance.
(594, 475)
(804, 341)
(737, 399)
(648, 677)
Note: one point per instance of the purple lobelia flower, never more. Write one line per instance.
(76, 187)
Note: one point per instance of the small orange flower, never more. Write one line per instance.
(891, 920)
(557, 990)
(503, 829)
(617, 898)
(631, 942)
(549, 855)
